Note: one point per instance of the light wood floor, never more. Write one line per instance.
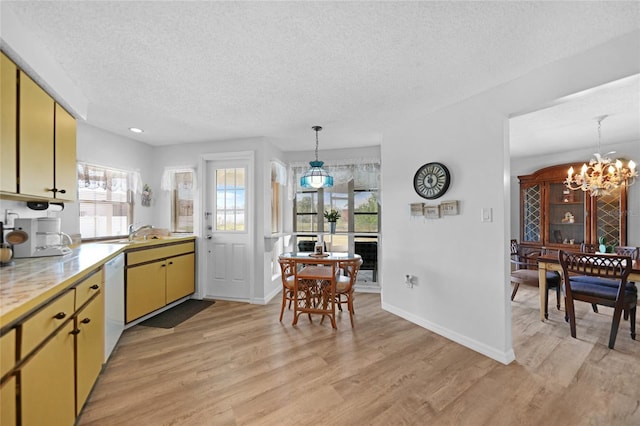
(235, 364)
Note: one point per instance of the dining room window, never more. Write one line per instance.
(355, 195)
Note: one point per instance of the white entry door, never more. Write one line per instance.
(227, 222)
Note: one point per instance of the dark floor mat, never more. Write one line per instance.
(178, 314)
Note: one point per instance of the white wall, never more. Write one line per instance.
(461, 263)
(457, 261)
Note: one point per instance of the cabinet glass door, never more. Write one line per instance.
(608, 218)
(531, 214)
(567, 215)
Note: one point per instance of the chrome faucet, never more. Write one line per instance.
(134, 232)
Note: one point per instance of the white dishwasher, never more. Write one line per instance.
(113, 303)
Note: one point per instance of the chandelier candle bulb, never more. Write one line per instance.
(603, 174)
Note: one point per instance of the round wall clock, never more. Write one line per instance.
(432, 180)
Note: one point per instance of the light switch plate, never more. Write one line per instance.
(487, 214)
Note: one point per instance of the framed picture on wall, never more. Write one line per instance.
(431, 212)
(417, 209)
(449, 208)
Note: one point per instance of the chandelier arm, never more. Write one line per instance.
(603, 174)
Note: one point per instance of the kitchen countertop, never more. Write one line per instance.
(34, 281)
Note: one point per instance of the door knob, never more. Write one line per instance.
(209, 237)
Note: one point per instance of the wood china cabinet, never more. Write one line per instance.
(552, 215)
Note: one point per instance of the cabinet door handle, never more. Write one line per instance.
(86, 321)
(163, 265)
(74, 332)
(170, 263)
(63, 191)
(60, 315)
(94, 287)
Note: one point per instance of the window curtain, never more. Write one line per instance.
(168, 182)
(100, 177)
(278, 173)
(364, 171)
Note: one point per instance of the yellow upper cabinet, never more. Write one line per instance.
(40, 135)
(65, 152)
(8, 120)
(35, 125)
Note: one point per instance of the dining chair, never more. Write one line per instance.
(525, 271)
(634, 253)
(609, 267)
(308, 245)
(288, 274)
(345, 284)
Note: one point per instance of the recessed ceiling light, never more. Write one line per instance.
(136, 130)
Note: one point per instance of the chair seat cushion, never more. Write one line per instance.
(342, 283)
(631, 287)
(598, 289)
(531, 275)
(289, 282)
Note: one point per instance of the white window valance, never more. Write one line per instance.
(168, 182)
(362, 170)
(95, 176)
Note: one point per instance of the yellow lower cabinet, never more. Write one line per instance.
(180, 276)
(8, 388)
(145, 289)
(47, 390)
(8, 403)
(89, 334)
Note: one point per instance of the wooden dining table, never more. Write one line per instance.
(550, 262)
(315, 278)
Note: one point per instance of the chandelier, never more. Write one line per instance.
(603, 174)
(316, 177)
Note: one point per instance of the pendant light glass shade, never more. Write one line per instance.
(316, 177)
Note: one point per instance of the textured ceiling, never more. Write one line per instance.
(572, 122)
(205, 71)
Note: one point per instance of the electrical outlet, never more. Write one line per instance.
(9, 216)
(408, 280)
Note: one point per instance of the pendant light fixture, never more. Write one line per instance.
(316, 177)
(603, 174)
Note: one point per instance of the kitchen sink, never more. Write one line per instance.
(126, 241)
(135, 241)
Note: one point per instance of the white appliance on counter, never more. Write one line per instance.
(43, 238)
(113, 303)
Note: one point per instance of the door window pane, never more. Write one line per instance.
(230, 199)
